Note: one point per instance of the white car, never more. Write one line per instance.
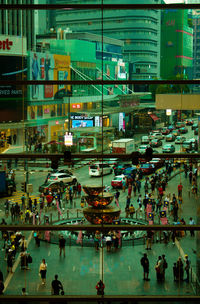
(99, 169)
(142, 148)
(63, 177)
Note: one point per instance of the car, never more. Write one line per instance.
(117, 181)
(145, 140)
(112, 162)
(194, 126)
(157, 162)
(168, 148)
(130, 170)
(171, 128)
(189, 122)
(183, 130)
(156, 143)
(99, 169)
(187, 146)
(63, 177)
(165, 131)
(180, 139)
(119, 168)
(142, 148)
(194, 144)
(196, 131)
(180, 124)
(51, 186)
(147, 168)
(62, 171)
(176, 132)
(170, 137)
(157, 135)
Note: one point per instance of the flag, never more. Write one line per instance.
(164, 221)
(148, 208)
(162, 214)
(150, 216)
(166, 203)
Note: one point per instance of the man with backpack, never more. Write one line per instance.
(145, 264)
(56, 286)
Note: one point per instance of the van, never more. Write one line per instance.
(145, 140)
(99, 169)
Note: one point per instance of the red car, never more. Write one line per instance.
(147, 168)
(117, 181)
(165, 131)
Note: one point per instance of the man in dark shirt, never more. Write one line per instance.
(62, 245)
(56, 286)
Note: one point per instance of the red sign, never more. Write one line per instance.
(42, 68)
(5, 44)
(48, 91)
(76, 106)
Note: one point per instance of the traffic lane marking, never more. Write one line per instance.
(10, 275)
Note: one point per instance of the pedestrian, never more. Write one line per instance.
(149, 239)
(24, 293)
(123, 184)
(129, 189)
(117, 194)
(108, 242)
(190, 176)
(37, 236)
(10, 261)
(75, 190)
(56, 286)
(165, 265)
(180, 188)
(191, 222)
(70, 196)
(175, 211)
(6, 205)
(23, 199)
(187, 268)
(43, 271)
(100, 288)
(131, 210)
(128, 201)
(179, 266)
(62, 242)
(138, 185)
(145, 264)
(12, 212)
(175, 272)
(97, 238)
(159, 269)
(23, 244)
(79, 188)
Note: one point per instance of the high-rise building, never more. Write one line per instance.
(176, 44)
(138, 29)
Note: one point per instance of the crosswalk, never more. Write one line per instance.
(16, 197)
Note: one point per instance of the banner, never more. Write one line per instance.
(80, 237)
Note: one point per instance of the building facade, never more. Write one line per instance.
(138, 29)
(176, 44)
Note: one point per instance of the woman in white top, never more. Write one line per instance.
(43, 271)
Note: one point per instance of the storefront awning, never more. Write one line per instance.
(154, 117)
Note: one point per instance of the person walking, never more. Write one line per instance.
(145, 264)
(100, 288)
(165, 265)
(43, 271)
(180, 188)
(62, 242)
(159, 269)
(191, 222)
(149, 239)
(56, 286)
(187, 268)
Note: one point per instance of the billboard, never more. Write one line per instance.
(12, 97)
(45, 66)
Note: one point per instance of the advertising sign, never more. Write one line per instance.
(45, 66)
(13, 45)
(122, 121)
(68, 139)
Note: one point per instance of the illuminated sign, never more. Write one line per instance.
(68, 139)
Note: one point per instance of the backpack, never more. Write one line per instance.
(165, 265)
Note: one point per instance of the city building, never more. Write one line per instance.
(176, 44)
(196, 44)
(138, 29)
